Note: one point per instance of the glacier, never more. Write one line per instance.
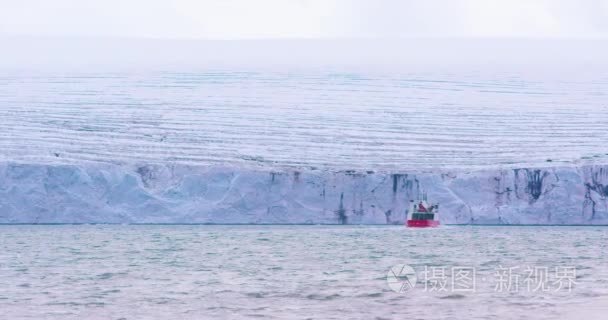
(330, 132)
(109, 193)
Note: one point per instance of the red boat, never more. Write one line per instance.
(423, 214)
(422, 223)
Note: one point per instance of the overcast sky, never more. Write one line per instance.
(251, 19)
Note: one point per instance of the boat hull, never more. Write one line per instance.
(422, 223)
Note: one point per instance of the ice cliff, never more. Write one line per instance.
(105, 193)
(197, 132)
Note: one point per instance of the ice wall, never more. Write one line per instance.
(104, 193)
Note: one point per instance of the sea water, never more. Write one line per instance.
(301, 272)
